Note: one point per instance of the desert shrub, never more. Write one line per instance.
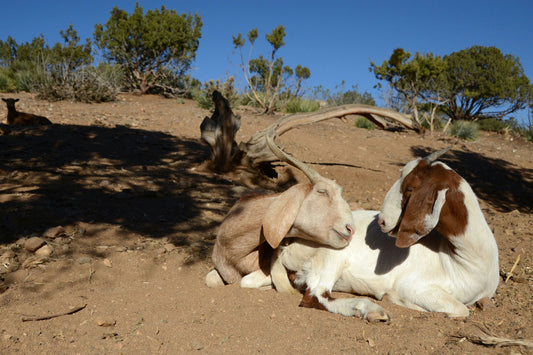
(300, 105)
(362, 122)
(492, 125)
(203, 95)
(467, 130)
(341, 96)
(86, 84)
(7, 82)
(528, 134)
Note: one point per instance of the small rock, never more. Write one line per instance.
(515, 213)
(102, 322)
(34, 243)
(101, 248)
(45, 250)
(169, 247)
(84, 260)
(120, 248)
(54, 232)
(107, 262)
(8, 254)
(197, 345)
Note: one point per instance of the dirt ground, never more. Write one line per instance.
(128, 213)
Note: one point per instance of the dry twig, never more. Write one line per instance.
(71, 311)
(483, 337)
(512, 269)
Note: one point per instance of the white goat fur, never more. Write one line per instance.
(440, 273)
(258, 223)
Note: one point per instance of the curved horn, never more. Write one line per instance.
(308, 171)
(436, 155)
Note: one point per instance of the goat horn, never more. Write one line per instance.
(436, 155)
(308, 171)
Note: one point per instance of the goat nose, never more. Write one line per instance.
(350, 229)
(381, 222)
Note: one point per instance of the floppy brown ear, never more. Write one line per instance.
(281, 214)
(417, 224)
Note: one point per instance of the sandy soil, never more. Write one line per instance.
(129, 216)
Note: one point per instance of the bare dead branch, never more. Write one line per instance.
(71, 311)
(256, 148)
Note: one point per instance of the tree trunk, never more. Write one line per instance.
(218, 131)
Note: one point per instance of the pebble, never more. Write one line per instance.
(107, 262)
(45, 250)
(106, 322)
(34, 243)
(84, 260)
(197, 345)
(54, 232)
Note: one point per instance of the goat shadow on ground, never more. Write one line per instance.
(137, 179)
(502, 184)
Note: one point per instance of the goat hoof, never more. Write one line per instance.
(379, 316)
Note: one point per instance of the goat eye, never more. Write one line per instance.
(322, 191)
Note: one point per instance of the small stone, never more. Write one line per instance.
(107, 262)
(84, 260)
(8, 254)
(34, 243)
(45, 250)
(169, 247)
(54, 232)
(102, 322)
(120, 248)
(197, 345)
(101, 248)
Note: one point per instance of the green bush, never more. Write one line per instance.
(86, 84)
(7, 83)
(300, 105)
(466, 130)
(203, 95)
(492, 125)
(528, 134)
(362, 122)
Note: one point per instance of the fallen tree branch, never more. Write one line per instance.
(71, 311)
(257, 151)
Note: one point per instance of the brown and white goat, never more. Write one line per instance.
(442, 257)
(15, 117)
(256, 224)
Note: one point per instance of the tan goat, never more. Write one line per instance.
(22, 118)
(256, 224)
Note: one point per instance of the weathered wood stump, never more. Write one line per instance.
(218, 131)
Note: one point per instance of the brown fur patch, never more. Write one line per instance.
(419, 192)
(309, 301)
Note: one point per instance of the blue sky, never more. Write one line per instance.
(335, 39)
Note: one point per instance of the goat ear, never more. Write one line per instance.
(281, 214)
(419, 228)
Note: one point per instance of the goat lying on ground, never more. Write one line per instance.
(444, 255)
(258, 223)
(22, 118)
